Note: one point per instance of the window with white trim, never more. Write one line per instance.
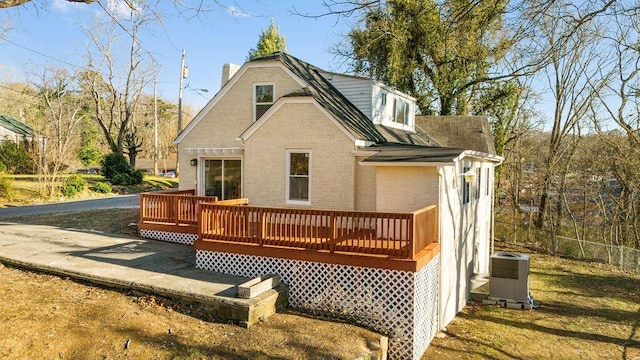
(298, 177)
(478, 183)
(466, 186)
(263, 98)
(488, 175)
(401, 112)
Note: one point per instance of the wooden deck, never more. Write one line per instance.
(402, 241)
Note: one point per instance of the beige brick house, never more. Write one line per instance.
(284, 133)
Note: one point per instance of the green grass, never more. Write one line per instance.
(27, 189)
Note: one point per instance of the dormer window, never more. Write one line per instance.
(401, 112)
(263, 97)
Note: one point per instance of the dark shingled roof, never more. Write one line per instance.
(464, 132)
(412, 153)
(328, 96)
(450, 134)
(16, 126)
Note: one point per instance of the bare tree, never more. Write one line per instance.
(574, 76)
(58, 127)
(116, 83)
(620, 102)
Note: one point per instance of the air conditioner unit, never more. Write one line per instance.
(509, 277)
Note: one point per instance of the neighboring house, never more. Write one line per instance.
(16, 131)
(284, 133)
(164, 165)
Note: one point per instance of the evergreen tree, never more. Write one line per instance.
(269, 42)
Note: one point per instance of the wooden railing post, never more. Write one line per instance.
(175, 206)
(412, 237)
(143, 206)
(262, 223)
(333, 232)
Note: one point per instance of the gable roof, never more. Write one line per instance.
(347, 114)
(16, 126)
(446, 136)
(462, 132)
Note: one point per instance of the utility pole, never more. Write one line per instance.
(184, 71)
(155, 127)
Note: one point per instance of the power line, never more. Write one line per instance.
(45, 55)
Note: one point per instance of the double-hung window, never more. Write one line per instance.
(263, 98)
(401, 112)
(298, 177)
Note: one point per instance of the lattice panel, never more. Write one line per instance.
(426, 307)
(179, 238)
(391, 302)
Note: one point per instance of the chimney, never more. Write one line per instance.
(228, 70)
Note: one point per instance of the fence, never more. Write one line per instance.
(624, 257)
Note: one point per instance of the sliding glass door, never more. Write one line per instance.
(223, 178)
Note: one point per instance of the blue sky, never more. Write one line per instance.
(49, 34)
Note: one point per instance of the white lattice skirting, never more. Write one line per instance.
(179, 238)
(400, 304)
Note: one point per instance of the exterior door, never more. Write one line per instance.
(223, 178)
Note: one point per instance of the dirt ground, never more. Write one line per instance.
(47, 317)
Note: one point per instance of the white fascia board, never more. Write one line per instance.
(392, 90)
(363, 152)
(292, 100)
(364, 143)
(225, 89)
(479, 155)
(405, 163)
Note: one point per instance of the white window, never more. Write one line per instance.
(488, 174)
(401, 112)
(384, 99)
(263, 98)
(478, 182)
(298, 177)
(466, 186)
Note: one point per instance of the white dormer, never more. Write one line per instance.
(380, 103)
(392, 108)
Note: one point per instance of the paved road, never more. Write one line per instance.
(123, 201)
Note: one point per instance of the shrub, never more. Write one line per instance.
(137, 177)
(6, 188)
(3, 168)
(101, 187)
(73, 185)
(122, 179)
(114, 164)
(16, 158)
(116, 168)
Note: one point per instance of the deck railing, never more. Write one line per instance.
(400, 235)
(175, 208)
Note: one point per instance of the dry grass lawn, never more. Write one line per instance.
(588, 311)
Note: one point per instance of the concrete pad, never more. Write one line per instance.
(149, 266)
